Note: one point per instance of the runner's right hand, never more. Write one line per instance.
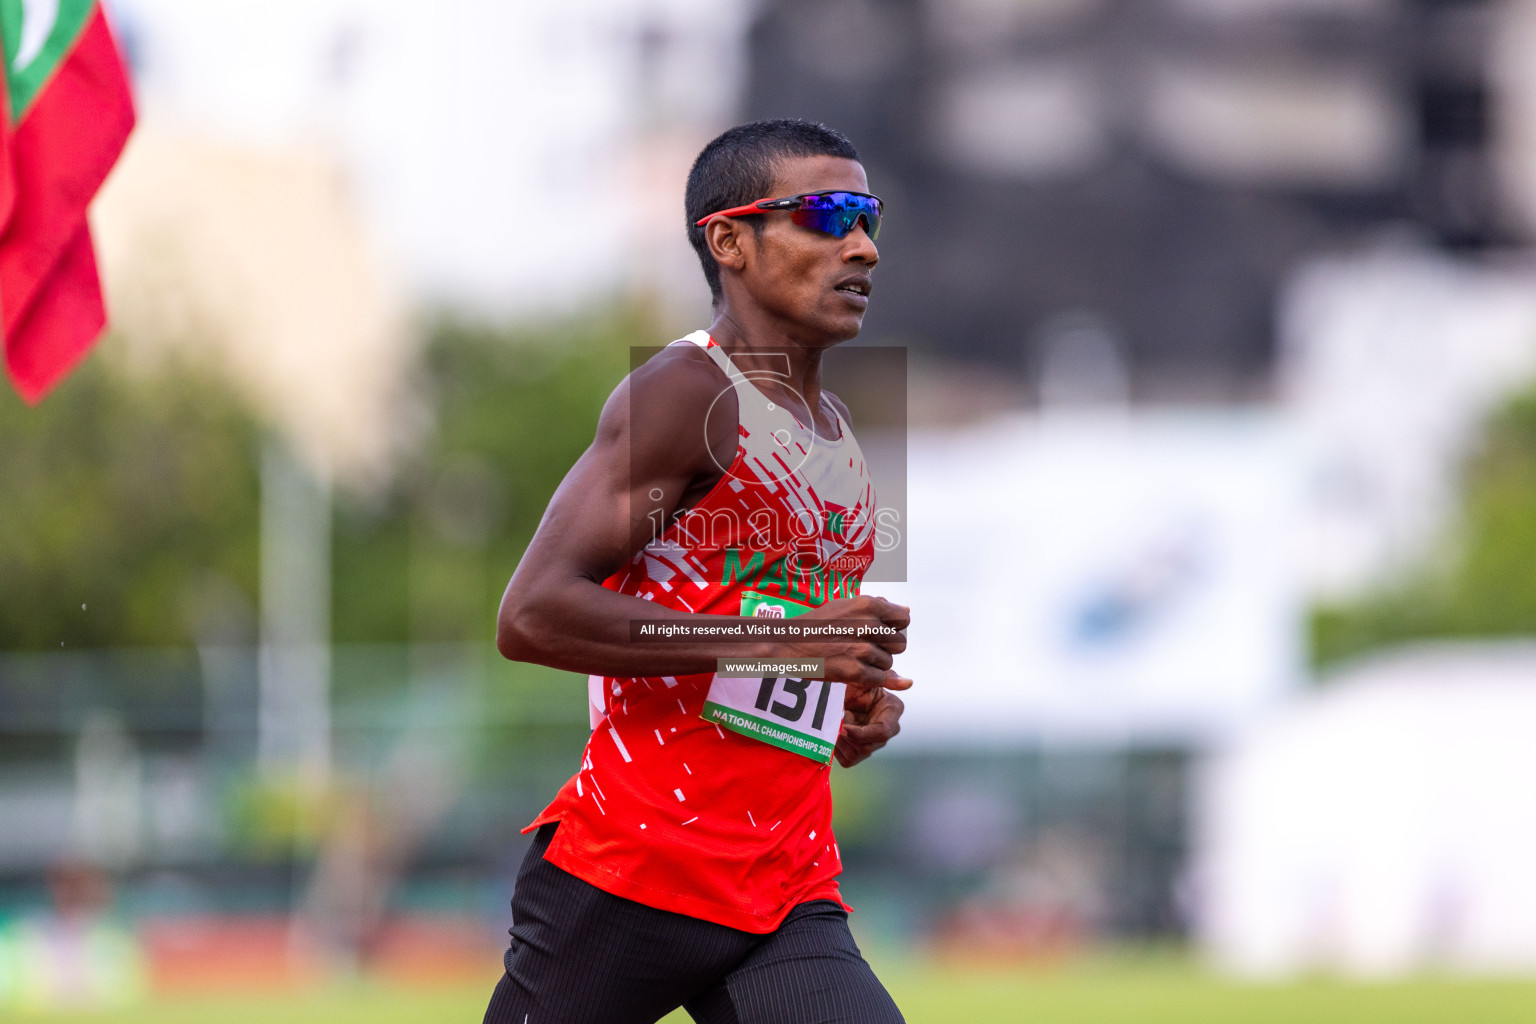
(859, 660)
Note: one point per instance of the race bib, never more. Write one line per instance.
(799, 715)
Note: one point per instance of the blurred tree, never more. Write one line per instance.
(427, 560)
(1482, 581)
(128, 511)
(137, 496)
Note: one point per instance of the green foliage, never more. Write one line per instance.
(123, 503)
(139, 497)
(1483, 583)
(270, 818)
(511, 411)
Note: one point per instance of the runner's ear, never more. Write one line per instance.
(724, 236)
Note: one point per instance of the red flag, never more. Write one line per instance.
(69, 112)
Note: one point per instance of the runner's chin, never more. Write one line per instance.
(847, 309)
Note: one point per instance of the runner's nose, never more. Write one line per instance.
(858, 247)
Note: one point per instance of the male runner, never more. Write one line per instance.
(690, 862)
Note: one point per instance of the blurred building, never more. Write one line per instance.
(1322, 204)
(1143, 174)
(1148, 172)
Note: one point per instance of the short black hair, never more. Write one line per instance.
(739, 166)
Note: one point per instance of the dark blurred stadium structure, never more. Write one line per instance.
(1149, 169)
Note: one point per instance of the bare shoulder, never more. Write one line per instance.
(684, 371)
(680, 380)
(676, 407)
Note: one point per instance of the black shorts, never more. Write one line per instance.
(580, 955)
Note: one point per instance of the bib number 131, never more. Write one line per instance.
(799, 715)
(793, 712)
(802, 716)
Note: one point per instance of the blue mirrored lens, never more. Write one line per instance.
(836, 213)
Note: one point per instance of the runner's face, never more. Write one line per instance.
(810, 279)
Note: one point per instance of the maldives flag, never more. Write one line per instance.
(67, 112)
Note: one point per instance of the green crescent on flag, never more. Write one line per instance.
(36, 35)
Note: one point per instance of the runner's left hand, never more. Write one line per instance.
(871, 716)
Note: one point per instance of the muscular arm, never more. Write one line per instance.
(655, 435)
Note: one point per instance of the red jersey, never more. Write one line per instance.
(728, 817)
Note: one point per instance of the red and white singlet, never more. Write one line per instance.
(669, 809)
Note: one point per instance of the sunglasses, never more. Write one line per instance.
(834, 213)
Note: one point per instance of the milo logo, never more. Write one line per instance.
(766, 606)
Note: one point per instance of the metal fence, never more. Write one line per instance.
(145, 764)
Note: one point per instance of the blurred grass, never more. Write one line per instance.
(1178, 993)
(1152, 991)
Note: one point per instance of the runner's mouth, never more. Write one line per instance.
(859, 286)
